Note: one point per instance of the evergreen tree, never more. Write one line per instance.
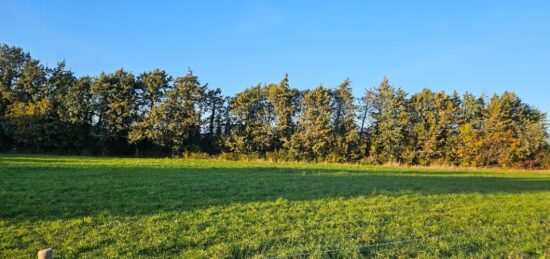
(512, 132)
(253, 121)
(365, 117)
(424, 116)
(78, 102)
(472, 110)
(152, 84)
(115, 101)
(176, 121)
(223, 122)
(347, 140)
(314, 133)
(390, 141)
(434, 127)
(30, 113)
(283, 101)
(32, 85)
(498, 130)
(46, 109)
(60, 83)
(449, 128)
(533, 148)
(151, 87)
(12, 60)
(78, 112)
(471, 119)
(11, 69)
(214, 106)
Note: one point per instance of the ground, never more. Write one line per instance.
(113, 207)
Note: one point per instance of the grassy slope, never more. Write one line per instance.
(192, 208)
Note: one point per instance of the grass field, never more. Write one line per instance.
(95, 207)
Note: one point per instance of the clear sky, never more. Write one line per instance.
(476, 46)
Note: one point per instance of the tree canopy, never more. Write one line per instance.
(50, 110)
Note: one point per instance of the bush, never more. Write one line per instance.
(196, 155)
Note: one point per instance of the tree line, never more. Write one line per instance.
(50, 110)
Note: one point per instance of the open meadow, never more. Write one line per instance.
(112, 207)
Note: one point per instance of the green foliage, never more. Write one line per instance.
(216, 108)
(163, 208)
(32, 124)
(151, 88)
(314, 137)
(347, 142)
(435, 127)
(12, 60)
(115, 104)
(512, 132)
(472, 114)
(284, 102)
(175, 123)
(253, 118)
(390, 140)
(32, 85)
(32, 116)
(152, 85)
(49, 110)
(11, 66)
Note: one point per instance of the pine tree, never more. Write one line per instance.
(46, 109)
(424, 120)
(347, 139)
(449, 130)
(471, 119)
(498, 132)
(214, 106)
(533, 146)
(513, 134)
(78, 112)
(153, 85)
(434, 127)
(12, 60)
(31, 86)
(60, 129)
(365, 117)
(390, 141)
(314, 137)
(11, 67)
(151, 88)
(115, 104)
(29, 114)
(283, 100)
(253, 122)
(176, 121)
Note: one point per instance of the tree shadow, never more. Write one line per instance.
(66, 192)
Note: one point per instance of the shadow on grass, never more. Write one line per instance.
(32, 193)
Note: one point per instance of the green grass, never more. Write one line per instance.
(95, 207)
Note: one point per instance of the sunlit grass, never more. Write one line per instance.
(113, 207)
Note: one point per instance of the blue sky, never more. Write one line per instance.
(476, 46)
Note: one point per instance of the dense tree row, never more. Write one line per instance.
(153, 114)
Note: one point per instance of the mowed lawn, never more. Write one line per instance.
(112, 207)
